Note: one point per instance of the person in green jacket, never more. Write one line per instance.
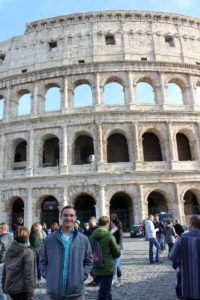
(36, 239)
(110, 251)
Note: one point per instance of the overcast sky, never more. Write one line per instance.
(16, 13)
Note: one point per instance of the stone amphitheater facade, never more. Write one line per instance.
(125, 174)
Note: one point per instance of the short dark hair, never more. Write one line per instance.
(195, 221)
(103, 220)
(67, 207)
(21, 234)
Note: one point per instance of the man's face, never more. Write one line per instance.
(68, 218)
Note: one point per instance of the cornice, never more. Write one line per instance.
(100, 67)
(123, 15)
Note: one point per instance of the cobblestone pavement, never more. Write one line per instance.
(141, 281)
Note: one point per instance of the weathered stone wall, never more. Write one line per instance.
(83, 56)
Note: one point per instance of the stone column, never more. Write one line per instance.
(131, 96)
(64, 97)
(64, 169)
(28, 209)
(179, 205)
(99, 147)
(163, 92)
(2, 155)
(34, 105)
(6, 116)
(102, 202)
(30, 154)
(172, 145)
(136, 145)
(97, 101)
(140, 211)
(191, 97)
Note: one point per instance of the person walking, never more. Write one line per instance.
(185, 255)
(170, 235)
(178, 228)
(110, 252)
(151, 235)
(19, 272)
(117, 232)
(160, 233)
(66, 259)
(36, 239)
(5, 242)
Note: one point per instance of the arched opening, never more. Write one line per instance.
(52, 99)
(151, 147)
(113, 94)
(17, 210)
(83, 149)
(50, 211)
(117, 148)
(175, 94)
(121, 204)
(191, 205)
(1, 107)
(20, 156)
(85, 207)
(183, 147)
(83, 95)
(144, 92)
(156, 203)
(51, 152)
(24, 104)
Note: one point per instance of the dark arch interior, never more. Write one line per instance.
(151, 147)
(83, 149)
(85, 207)
(191, 206)
(156, 203)
(183, 147)
(20, 152)
(50, 212)
(117, 148)
(51, 153)
(17, 210)
(121, 205)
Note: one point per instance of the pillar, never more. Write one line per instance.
(28, 209)
(179, 205)
(64, 151)
(30, 156)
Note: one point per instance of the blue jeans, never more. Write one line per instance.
(105, 286)
(118, 272)
(2, 295)
(161, 241)
(153, 241)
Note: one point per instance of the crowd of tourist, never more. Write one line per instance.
(64, 256)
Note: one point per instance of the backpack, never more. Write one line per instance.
(97, 255)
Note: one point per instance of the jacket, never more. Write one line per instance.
(110, 251)
(5, 242)
(19, 272)
(35, 242)
(170, 234)
(51, 264)
(150, 230)
(185, 253)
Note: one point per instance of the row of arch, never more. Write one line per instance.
(113, 94)
(120, 203)
(117, 150)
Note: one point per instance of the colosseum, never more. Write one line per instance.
(101, 110)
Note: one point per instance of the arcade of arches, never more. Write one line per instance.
(47, 208)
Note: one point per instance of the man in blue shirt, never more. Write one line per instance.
(66, 259)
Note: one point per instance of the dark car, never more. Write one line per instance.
(137, 231)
